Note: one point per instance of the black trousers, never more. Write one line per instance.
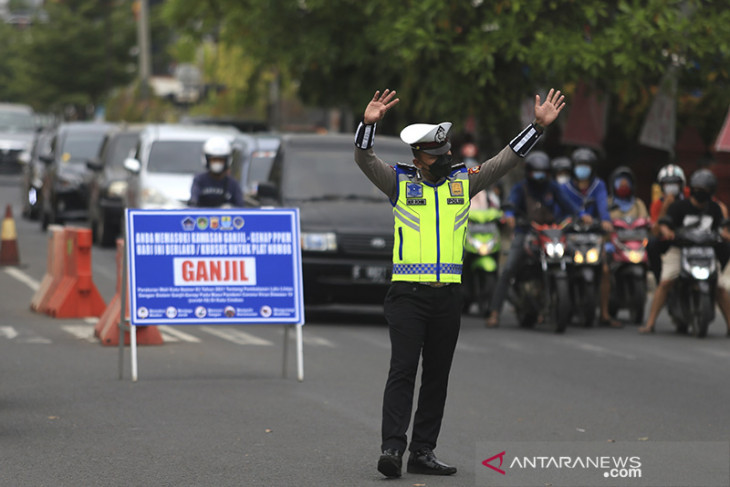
(423, 321)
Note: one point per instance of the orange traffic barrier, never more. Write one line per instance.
(54, 269)
(107, 328)
(9, 235)
(76, 296)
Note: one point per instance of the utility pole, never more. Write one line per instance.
(143, 44)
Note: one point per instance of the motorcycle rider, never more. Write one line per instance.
(622, 204)
(542, 201)
(698, 209)
(214, 187)
(586, 190)
(671, 180)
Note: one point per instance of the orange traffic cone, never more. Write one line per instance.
(9, 245)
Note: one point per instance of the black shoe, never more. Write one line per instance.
(390, 463)
(424, 461)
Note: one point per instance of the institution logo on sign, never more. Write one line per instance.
(265, 311)
(200, 312)
(202, 223)
(238, 222)
(171, 312)
(226, 223)
(214, 222)
(414, 190)
(142, 312)
(188, 224)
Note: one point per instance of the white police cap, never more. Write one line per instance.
(429, 138)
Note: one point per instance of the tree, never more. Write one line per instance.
(78, 55)
(454, 58)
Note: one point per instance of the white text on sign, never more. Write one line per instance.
(215, 271)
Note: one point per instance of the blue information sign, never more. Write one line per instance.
(214, 267)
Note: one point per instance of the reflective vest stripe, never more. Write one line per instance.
(401, 269)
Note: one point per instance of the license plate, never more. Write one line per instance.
(370, 273)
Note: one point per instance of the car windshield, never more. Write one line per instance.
(176, 156)
(80, 146)
(12, 121)
(320, 172)
(123, 148)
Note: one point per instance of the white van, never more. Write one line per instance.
(167, 158)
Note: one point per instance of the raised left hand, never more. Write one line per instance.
(547, 112)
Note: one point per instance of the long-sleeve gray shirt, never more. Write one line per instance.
(384, 177)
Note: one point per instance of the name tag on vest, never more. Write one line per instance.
(416, 201)
(454, 201)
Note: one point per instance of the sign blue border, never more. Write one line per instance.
(214, 266)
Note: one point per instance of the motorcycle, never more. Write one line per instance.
(481, 258)
(691, 301)
(540, 287)
(628, 264)
(585, 248)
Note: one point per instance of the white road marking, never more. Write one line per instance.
(236, 336)
(37, 339)
(23, 277)
(310, 339)
(8, 332)
(82, 332)
(172, 334)
(588, 347)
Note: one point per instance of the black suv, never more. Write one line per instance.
(346, 222)
(66, 179)
(108, 185)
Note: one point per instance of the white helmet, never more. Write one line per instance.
(671, 173)
(217, 147)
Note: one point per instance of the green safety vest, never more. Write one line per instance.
(430, 227)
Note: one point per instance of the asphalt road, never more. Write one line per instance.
(211, 407)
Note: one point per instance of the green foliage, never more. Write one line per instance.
(76, 57)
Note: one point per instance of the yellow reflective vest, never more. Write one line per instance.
(430, 224)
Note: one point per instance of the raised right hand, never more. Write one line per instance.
(378, 106)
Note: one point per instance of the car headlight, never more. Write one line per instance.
(24, 157)
(319, 242)
(592, 256)
(117, 189)
(578, 257)
(700, 273)
(152, 198)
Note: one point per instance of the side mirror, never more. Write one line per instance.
(94, 165)
(132, 165)
(267, 190)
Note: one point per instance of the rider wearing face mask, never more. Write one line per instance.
(538, 198)
(698, 210)
(586, 190)
(671, 180)
(215, 188)
(623, 204)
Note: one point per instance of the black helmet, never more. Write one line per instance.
(537, 161)
(703, 179)
(560, 164)
(584, 155)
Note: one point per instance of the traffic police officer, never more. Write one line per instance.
(215, 188)
(423, 306)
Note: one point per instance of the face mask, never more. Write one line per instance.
(582, 172)
(217, 167)
(672, 189)
(538, 176)
(563, 178)
(623, 192)
(701, 195)
(441, 167)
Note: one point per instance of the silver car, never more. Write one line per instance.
(168, 157)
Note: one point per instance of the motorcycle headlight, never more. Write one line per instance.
(592, 256)
(554, 249)
(485, 247)
(578, 257)
(319, 242)
(700, 273)
(636, 256)
(24, 157)
(117, 189)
